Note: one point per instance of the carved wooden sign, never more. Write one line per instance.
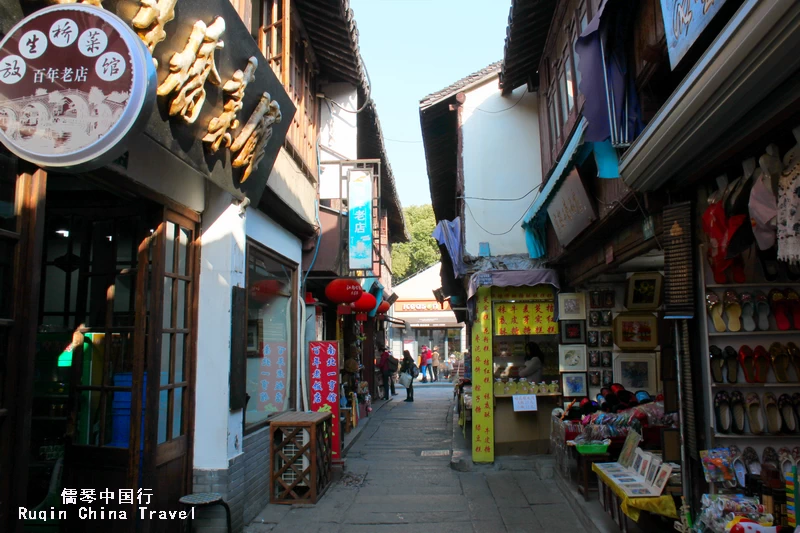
(220, 108)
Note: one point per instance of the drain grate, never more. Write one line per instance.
(434, 453)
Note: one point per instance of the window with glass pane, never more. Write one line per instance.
(270, 323)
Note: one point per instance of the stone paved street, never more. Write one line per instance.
(390, 486)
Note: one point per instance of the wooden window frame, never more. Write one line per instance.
(254, 246)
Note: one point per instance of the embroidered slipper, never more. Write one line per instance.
(748, 311)
(786, 461)
(794, 355)
(733, 311)
(788, 415)
(780, 362)
(793, 300)
(714, 306)
(762, 310)
(722, 412)
(755, 415)
(769, 263)
(796, 405)
(780, 309)
(738, 466)
(796, 454)
(773, 414)
(732, 364)
(761, 363)
(738, 412)
(770, 457)
(750, 458)
(717, 361)
(748, 363)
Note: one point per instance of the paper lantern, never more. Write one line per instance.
(384, 307)
(365, 304)
(343, 291)
(266, 289)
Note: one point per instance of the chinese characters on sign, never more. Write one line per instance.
(525, 402)
(482, 390)
(150, 20)
(570, 210)
(272, 385)
(254, 135)
(324, 368)
(219, 127)
(359, 202)
(525, 311)
(684, 21)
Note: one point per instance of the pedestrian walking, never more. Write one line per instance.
(407, 367)
(435, 361)
(383, 365)
(423, 362)
(394, 366)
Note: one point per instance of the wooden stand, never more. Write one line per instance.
(300, 469)
(585, 471)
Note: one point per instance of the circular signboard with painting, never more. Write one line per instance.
(75, 83)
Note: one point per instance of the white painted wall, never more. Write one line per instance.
(338, 134)
(222, 266)
(501, 159)
(419, 287)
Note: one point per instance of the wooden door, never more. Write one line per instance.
(171, 357)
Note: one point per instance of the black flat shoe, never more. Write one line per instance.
(408, 400)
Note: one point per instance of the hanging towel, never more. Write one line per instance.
(788, 203)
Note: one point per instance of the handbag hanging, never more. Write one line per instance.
(405, 379)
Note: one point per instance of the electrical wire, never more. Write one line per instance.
(514, 225)
(366, 102)
(499, 199)
(400, 141)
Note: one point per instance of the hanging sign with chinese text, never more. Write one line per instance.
(684, 21)
(524, 310)
(272, 383)
(324, 395)
(359, 203)
(482, 391)
(75, 84)
(570, 211)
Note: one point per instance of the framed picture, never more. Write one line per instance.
(594, 319)
(594, 358)
(652, 470)
(608, 378)
(663, 476)
(596, 299)
(646, 459)
(606, 339)
(637, 460)
(571, 306)
(644, 291)
(636, 331)
(572, 358)
(605, 359)
(594, 338)
(605, 319)
(636, 371)
(573, 331)
(609, 299)
(595, 378)
(574, 384)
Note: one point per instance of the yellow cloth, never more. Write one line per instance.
(633, 507)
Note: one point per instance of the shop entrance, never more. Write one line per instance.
(114, 354)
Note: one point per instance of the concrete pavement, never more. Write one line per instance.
(398, 479)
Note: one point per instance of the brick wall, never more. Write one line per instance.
(244, 486)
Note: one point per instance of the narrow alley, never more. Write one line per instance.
(398, 479)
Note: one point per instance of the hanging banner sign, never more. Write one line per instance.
(324, 395)
(482, 391)
(684, 21)
(75, 84)
(570, 211)
(359, 202)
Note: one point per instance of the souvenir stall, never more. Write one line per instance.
(749, 334)
(514, 313)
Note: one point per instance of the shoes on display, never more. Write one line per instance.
(737, 412)
(738, 466)
(796, 406)
(717, 363)
(748, 311)
(747, 362)
(755, 415)
(722, 412)
(761, 364)
(714, 306)
(788, 416)
(762, 310)
(732, 364)
(772, 413)
(769, 263)
(786, 461)
(793, 302)
(733, 311)
(794, 355)
(750, 458)
(780, 362)
(780, 309)
(792, 271)
(770, 457)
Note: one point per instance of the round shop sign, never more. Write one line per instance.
(75, 83)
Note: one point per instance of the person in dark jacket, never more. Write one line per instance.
(408, 366)
(386, 373)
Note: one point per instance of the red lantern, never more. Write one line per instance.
(365, 304)
(265, 289)
(384, 306)
(343, 291)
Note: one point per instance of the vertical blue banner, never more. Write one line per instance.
(359, 201)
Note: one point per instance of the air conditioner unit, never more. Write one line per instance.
(292, 449)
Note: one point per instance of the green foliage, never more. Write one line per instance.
(421, 251)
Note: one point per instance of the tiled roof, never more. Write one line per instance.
(456, 87)
(526, 34)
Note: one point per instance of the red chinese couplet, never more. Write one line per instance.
(324, 396)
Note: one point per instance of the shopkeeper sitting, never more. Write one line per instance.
(533, 363)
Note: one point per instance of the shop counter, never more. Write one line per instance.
(523, 432)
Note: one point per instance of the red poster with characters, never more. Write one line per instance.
(324, 385)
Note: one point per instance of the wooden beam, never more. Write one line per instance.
(286, 43)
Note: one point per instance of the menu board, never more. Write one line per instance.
(482, 392)
(324, 359)
(523, 310)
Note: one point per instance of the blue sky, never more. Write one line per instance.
(413, 48)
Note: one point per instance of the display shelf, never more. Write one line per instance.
(787, 385)
(757, 284)
(537, 394)
(753, 333)
(750, 436)
(50, 418)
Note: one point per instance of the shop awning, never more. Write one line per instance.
(534, 224)
(509, 278)
(750, 64)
